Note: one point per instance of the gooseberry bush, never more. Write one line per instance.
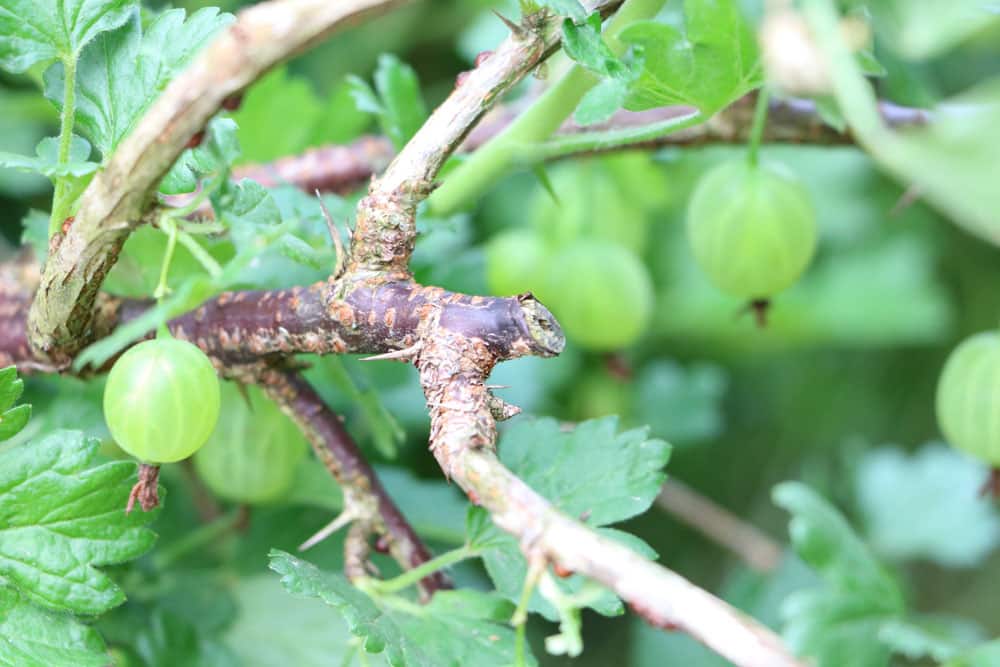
(256, 258)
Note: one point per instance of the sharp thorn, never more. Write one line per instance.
(329, 529)
(514, 28)
(331, 227)
(406, 354)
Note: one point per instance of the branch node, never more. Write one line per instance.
(501, 409)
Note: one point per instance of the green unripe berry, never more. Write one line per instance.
(515, 262)
(968, 397)
(600, 292)
(161, 401)
(752, 229)
(253, 454)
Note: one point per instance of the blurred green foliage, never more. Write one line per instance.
(849, 360)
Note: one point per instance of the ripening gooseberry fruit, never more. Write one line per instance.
(253, 454)
(514, 262)
(752, 228)
(600, 292)
(967, 397)
(161, 401)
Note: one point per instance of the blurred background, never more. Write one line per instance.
(838, 390)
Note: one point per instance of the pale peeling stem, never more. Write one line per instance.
(114, 202)
(385, 231)
(661, 596)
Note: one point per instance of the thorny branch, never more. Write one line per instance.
(342, 168)
(454, 340)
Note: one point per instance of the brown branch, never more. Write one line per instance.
(386, 228)
(453, 370)
(454, 340)
(718, 524)
(363, 492)
(59, 324)
(343, 168)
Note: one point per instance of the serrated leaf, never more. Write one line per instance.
(932, 637)
(396, 100)
(46, 162)
(926, 506)
(403, 106)
(245, 207)
(122, 72)
(12, 419)
(35, 233)
(838, 623)
(592, 469)
(33, 637)
(592, 472)
(218, 150)
(39, 31)
(707, 65)
(601, 102)
(456, 628)
(584, 44)
(11, 387)
(61, 518)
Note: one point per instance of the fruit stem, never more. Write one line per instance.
(170, 227)
(759, 121)
(422, 571)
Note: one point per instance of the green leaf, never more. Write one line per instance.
(839, 623)
(61, 517)
(926, 506)
(40, 31)
(456, 628)
(33, 637)
(12, 419)
(938, 638)
(683, 405)
(213, 157)
(601, 102)
(122, 72)
(398, 104)
(245, 208)
(592, 472)
(277, 117)
(707, 65)
(46, 161)
(592, 469)
(274, 629)
(584, 44)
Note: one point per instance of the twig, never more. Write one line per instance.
(453, 371)
(364, 496)
(114, 202)
(342, 168)
(720, 525)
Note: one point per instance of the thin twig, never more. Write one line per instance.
(719, 525)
